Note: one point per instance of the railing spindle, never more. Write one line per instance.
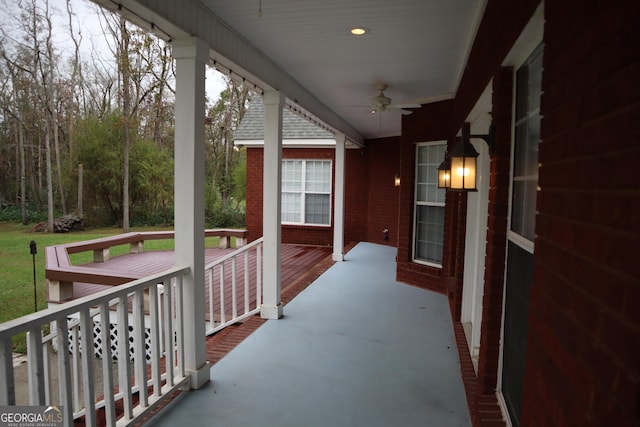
(212, 317)
(75, 359)
(258, 276)
(179, 310)
(140, 356)
(7, 387)
(46, 364)
(246, 282)
(154, 333)
(124, 367)
(223, 317)
(64, 370)
(234, 289)
(86, 337)
(107, 366)
(168, 332)
(36, 367)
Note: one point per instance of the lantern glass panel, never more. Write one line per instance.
(463, 173)
(444, 178)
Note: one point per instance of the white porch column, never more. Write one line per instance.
(338, 199)
(191, 56)
(272, 186)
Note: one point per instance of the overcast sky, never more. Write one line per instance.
(93, 38)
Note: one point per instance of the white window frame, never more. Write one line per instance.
(514, 236)
(417, 203)
(304, 192)
(526, 44)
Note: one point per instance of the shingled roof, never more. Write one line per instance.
(251, 126)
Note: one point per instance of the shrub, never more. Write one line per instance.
(13, 213)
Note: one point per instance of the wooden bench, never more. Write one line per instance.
(101, 247)
(225, 235)
(61, 274)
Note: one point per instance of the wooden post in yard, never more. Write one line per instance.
(80, 176)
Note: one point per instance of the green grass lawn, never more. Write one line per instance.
(16, 265)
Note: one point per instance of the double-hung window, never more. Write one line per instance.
(429, 205)
(525, 151)
(521, 235)
(306, 192)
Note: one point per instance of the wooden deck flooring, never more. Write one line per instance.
(296, 261)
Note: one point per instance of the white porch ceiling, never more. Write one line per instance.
(304, 48)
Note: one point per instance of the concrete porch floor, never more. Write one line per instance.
(355, 348)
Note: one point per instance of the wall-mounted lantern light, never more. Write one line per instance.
(396, 180)
(444, 172)
(463, 159)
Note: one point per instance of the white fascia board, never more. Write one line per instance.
(291, 143)
(189, 18)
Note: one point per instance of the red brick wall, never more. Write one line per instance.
(309, 235)
(583, 349)
(502, 23)
(488, 359)
(255, 160)
(481, 387)
(383, 161)
(356, 197)
(430, 123)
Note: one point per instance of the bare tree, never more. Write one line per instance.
(99, 89)
(49, 93)
(222, 120)
(144, 69)
(13, 114)
(49, 83)
(75, 82)
(155, 88)
(124, 69)
(31, 72)
(118, 30)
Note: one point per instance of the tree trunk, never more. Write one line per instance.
(49, 181)
(125, 69)
(38, 168)
(77, 79)
(49, 89)
(23, 175)
(125, 185)
(80, 190)
(56, 144)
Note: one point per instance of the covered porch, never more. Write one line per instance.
(354, 348)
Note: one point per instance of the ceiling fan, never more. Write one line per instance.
(381, 102)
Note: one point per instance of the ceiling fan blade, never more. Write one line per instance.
(401, 106)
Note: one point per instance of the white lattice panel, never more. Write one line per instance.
(97, 341)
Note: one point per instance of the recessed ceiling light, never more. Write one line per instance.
(359, 31)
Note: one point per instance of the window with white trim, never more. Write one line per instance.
(525, 147)
(429, 205)
(521, 235)
(306, 192)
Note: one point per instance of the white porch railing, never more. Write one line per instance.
(150, 314)
(243, 269)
